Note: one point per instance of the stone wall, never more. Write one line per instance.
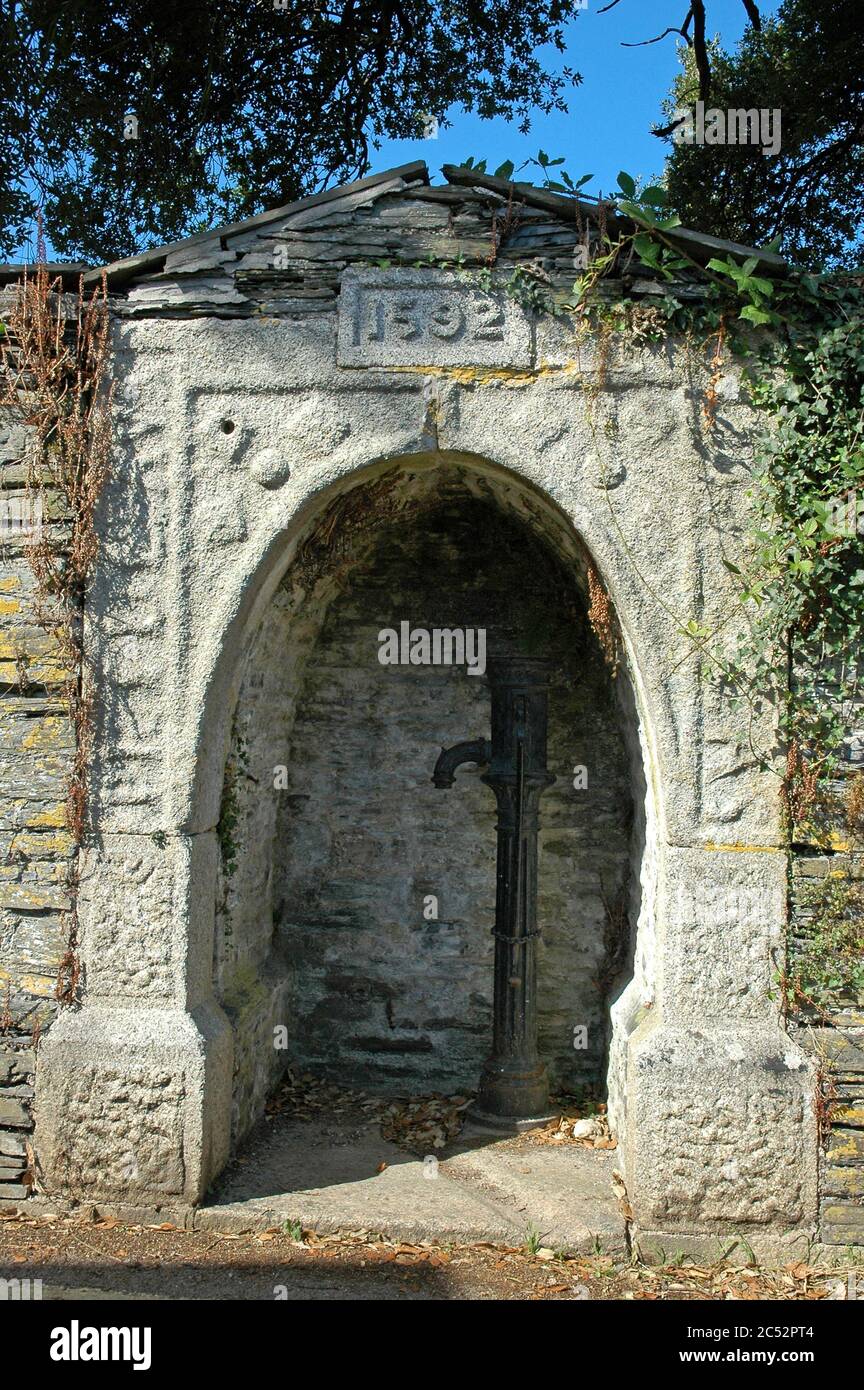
(35, 848)
(829, 851)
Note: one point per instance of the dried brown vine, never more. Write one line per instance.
(799, 786)
(55, 358)
(603, 622)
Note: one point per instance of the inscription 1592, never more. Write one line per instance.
(411, 318)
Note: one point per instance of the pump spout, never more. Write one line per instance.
(477, 750)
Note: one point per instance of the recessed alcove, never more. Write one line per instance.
(356, 900)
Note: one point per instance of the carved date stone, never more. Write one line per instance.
(417, 318)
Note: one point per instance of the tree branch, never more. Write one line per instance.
(753, 13)
(700, 49)
(671, 30)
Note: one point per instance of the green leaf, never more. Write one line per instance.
(765, 287)
(655, 196)
(756, 315)
(638, 214)
(627, 185)
(647, 249)
(505, 170)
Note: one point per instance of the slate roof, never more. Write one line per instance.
(413, 179)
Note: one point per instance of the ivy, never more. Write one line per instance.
(825, 970)
(804, 582)
(230, 813)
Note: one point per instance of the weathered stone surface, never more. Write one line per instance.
(842, 1224)
(735, 1154)
(14, 1113)
(131, 891)
(843, 1051)
(846, 1145)
(13, 438)
(35, 748)
(837, 1181)
(13, 1192)
(133, 1104)
(726, 906)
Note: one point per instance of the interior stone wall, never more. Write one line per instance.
(320, 924)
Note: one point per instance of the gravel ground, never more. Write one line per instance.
(75, 1257)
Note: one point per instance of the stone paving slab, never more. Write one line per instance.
(564, 1192)
(326, 1176)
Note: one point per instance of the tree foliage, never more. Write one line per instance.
(806, 63)
(240, 104)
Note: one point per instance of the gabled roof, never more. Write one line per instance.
(415, 175)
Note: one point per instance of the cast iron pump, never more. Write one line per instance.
(514, 1089)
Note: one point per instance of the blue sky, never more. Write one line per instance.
(611, 113)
